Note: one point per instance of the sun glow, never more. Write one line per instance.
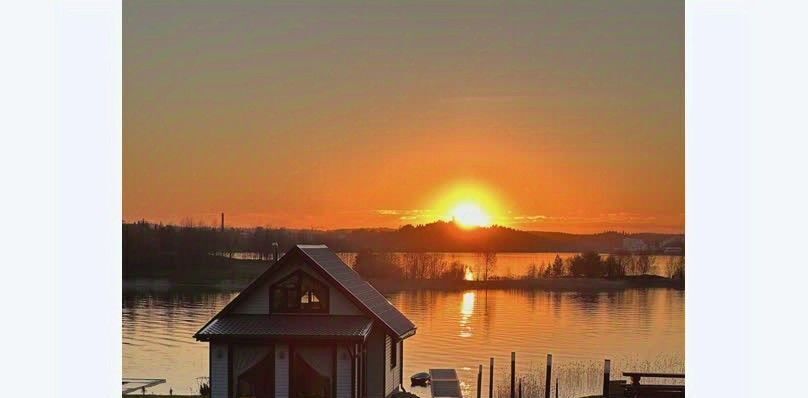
(470, 204)
(470, 215)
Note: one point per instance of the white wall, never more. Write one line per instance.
(281, 371)
(344, 364)
(218, 370)
(255, 303)
(392, 375)
(376, 362)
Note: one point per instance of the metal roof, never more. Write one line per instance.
(367, 295)
(328, 264)
(303, 326)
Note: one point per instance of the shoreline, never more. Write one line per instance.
(230, 275)
(394, 285)
(551, 284)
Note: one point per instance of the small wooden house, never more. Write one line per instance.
(308, 327)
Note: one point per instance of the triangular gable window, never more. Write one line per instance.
(299, 293)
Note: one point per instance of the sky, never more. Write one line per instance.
(551, 115)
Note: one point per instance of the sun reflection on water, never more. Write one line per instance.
(466, 311)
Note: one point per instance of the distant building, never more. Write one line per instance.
(309, 326)
(634, 245)
(673, 246)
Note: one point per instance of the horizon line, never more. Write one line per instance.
(318, 229)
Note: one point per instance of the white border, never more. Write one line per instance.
(60, 162)
(61, 176)
(745, 197)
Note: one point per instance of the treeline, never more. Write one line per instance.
(143, 242)
(166, 250)
(434, 266)
(594, 265)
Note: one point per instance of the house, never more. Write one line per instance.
(634, 245)
(309, 326)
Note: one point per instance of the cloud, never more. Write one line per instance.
(530, 218)
(395, 212)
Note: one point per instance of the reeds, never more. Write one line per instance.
(582, 378)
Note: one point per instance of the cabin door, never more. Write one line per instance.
(254, 371)
(312, 372)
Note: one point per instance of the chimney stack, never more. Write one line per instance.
(222, 221)
(275, 248)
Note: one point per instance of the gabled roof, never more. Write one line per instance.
(326, 263)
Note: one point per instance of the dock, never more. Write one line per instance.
(130, 385)
(445, 383)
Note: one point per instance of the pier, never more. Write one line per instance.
(445, 383)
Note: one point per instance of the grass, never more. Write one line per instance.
(162, 396)
(583, 378)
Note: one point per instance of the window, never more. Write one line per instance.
(393, 353)
(299, 292)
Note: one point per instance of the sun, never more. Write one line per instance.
(470, 215)
(470, 204)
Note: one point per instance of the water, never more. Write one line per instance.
(639, 329)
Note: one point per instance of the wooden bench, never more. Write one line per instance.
(638, 390)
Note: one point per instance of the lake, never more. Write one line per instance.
(638, 329)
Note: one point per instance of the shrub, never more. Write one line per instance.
(204, 386)
(675, 268)
(456, 272)
(587, 264)
(556, 269)
(377, 265)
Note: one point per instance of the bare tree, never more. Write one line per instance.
(557, 269)
(644, 263)
(675, 267)
(532, 272)
(489, 263)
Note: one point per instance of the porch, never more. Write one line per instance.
(289, 356)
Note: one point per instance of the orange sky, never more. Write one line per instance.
(558, 116)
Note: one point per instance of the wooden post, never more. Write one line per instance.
(556, 387)
(513, 375)
(520, 387)
(607, 365)
(548, 376)
(491, 379)
(480, 382)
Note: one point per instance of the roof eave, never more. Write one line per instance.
(208, 338)
(408, 334)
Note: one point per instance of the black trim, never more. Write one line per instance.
(401, 366)
(230, 392)
(334, 371)
(291, 365)
(354, 361)
(364, 371)
(393, 351)
(286, 339)
(274, 369)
